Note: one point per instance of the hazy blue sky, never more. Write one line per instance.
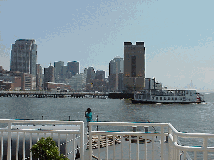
(178, 35)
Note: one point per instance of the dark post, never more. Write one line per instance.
(42, 117)
(69, 118)
(97, 121)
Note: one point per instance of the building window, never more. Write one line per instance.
(175, 98)
(168, 98)
(160, 98)
(156, 98)
(133, 66)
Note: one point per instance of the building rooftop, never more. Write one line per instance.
(25, 40)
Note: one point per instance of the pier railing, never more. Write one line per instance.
(128, 140)
(178, 151)
(19, 136)
(144, 143)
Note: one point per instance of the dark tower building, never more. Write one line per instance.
(58, 67)
(134, 66)
(73, 68)
(48, 75)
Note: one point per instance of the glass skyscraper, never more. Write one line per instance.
(24, 56)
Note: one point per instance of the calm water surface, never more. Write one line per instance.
(186, 118)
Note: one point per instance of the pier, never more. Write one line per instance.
(46, 94)
(55, 94)
(20, 135)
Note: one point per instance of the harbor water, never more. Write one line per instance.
(192, 118)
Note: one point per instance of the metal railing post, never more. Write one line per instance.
(82, 140)
(106, 147)
(175, 139)
(138, 148)
(17, 145)
(145, 137)
(162, 142)
(23, 146)
(1, 146)
(73, 146)
(153, 147)
(90, 141)
(9, 141)
(205, 145)
(30, 145)
(99, 141)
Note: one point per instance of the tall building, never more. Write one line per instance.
(24, 56)
(116, 67)
(120, 82)
(73, 68)
(90, 74)
(78, 82)
(85, 71)
(100, 74)
(48, 75)
(134, 66)
(39, 77)
(63, 74)
(57, 67)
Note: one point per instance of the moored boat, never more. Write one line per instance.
(168, 96)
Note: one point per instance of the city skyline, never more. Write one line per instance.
(179, 44)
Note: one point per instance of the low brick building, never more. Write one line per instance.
(6, 86)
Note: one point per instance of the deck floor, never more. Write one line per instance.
(157, 150)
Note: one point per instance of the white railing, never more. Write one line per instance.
(162, 150)
(146, 141)
(178, 151)
(67, 134)
(126, 148)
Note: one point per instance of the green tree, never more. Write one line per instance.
(46, 149)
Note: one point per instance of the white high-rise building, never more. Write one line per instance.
(116, 67)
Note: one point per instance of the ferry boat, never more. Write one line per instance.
(168, 96)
